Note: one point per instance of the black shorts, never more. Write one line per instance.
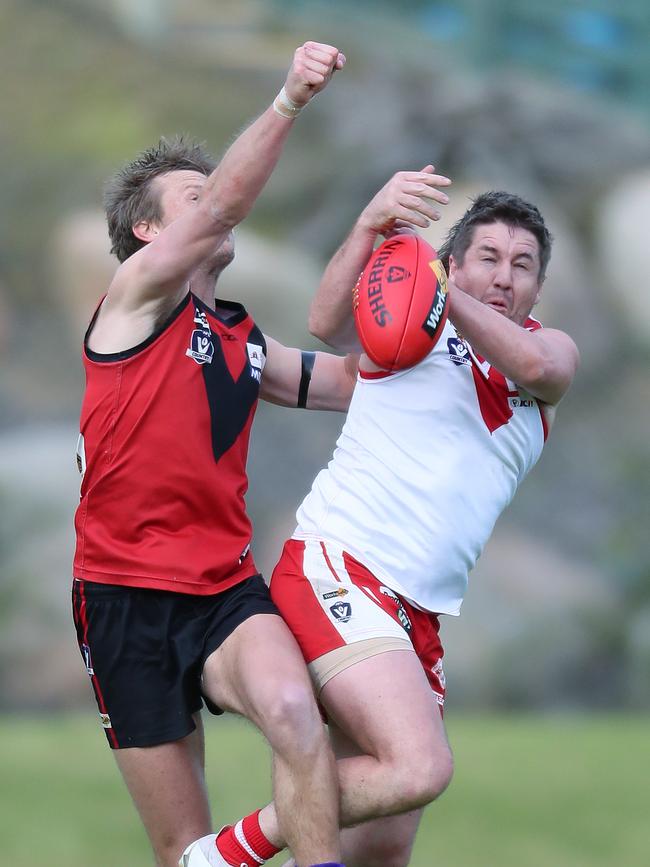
(145, 650)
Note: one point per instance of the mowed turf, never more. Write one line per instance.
(534, 791)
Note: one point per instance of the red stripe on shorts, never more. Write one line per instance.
(329, 562)
(83, 619)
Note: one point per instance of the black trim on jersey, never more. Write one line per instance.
(307, 365)
(238, 310)
(230, 400)
(129, 353)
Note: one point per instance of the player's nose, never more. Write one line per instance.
(502, 277)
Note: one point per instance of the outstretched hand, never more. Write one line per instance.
(406, 201)
(313, 65)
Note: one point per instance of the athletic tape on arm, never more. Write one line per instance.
(307, 365)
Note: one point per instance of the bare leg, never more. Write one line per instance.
(259, 673)
(400, 760)
(167, 784)
(385, 842)
(385, 705)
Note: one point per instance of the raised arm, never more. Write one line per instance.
(174, 251)
(543, 362)
(405, 201)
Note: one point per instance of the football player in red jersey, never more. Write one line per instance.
(169, 608)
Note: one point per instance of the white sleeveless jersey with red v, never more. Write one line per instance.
(426, 462)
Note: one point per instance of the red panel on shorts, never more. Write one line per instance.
(294, 597)
(296, 600)
(424, 632)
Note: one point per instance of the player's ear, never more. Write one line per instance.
(452, 267)
(146, 231)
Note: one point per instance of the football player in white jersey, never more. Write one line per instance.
(427, 460)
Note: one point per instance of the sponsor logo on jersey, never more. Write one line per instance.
(81, 454)
(336, 593)
(201, 347)
(256, 359)
(342, 611)
(458, 351)
(515, 402)
(403, 618)
(87, 659)
(105, 721)
(244, 554)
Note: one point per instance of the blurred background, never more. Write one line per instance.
(549, 100)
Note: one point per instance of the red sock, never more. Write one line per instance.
(244, 843)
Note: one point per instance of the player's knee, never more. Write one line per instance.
(292, 720)
(425, 780)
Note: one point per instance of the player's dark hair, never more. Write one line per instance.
(130, 196)
(497, 207)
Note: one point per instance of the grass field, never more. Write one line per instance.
(534, 791)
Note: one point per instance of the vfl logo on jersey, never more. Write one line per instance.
(85, 650)
(458, 351)
(201, 347)
(342, 611)
(396, 273)
(256, 359)
(334, 594)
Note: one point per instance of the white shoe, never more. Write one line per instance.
(203, 853)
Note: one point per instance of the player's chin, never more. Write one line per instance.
(222, 256)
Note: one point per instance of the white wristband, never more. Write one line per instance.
(285, 106)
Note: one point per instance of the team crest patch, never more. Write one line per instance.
(201, 347)
(342, 611)
(105, 721)
(458, 351)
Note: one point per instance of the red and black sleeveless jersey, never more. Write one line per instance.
(165, 428)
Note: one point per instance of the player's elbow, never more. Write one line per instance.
(547, 377)
(318, 327)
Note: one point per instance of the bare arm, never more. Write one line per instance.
(405, 201)
(332, 378)
(164, 265)
(543, 362)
